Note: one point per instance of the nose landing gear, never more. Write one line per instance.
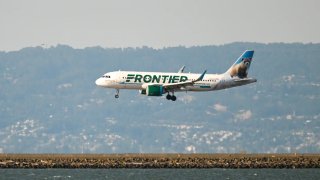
(117, 93)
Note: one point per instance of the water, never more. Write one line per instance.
(227, 174)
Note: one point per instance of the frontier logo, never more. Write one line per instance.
(155, 78)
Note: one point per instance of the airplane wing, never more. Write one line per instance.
(179, 85)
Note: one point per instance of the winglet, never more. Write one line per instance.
(181, 69)
(201, 76)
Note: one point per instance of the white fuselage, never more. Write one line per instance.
(139, 80)
(159, 83)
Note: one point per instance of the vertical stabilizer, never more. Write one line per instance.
(241, 67)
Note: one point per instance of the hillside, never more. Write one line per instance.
(50, 104)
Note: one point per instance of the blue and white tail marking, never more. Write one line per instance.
(241, 67)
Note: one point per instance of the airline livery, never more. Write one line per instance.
(159, 83)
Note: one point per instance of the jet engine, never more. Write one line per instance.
(153, 90)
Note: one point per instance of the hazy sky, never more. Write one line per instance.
(156, 23)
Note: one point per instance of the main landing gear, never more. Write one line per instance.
(117, 93)
(171, 97)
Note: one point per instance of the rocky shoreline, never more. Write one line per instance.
(159, 160)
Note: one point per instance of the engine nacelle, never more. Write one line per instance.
(154, 90)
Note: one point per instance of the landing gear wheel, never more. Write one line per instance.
(173, 98)
(168, 97)
(117, 93)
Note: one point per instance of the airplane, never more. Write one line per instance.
(159, 83)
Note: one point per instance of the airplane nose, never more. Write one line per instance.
(99, 82)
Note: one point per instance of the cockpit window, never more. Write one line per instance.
(106, 76)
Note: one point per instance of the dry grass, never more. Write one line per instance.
(159, 160)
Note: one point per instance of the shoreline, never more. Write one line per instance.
(71, 161)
